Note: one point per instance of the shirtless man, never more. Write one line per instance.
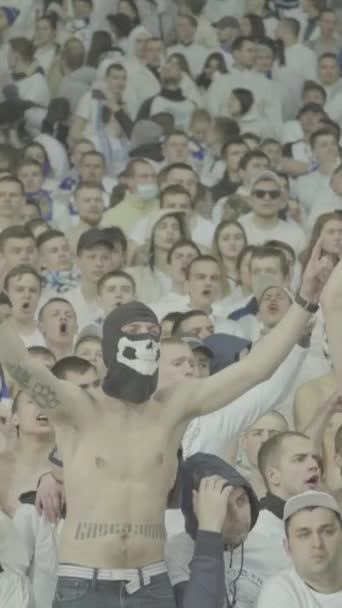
(119, 452)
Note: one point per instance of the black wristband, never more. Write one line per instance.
(306, 304)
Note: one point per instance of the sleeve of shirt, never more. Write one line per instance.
(83, 109)
(265, 396)
(206, 585)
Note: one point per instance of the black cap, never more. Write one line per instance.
(93, 237)
(227, 21)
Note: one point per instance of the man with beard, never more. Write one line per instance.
(119, 451)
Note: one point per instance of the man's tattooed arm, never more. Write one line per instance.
(42, 394)
(62, 399)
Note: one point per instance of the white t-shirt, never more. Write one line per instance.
(291, 592)
(87, 312)
(34, 339)
(289, 233)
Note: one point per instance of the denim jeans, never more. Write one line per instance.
(83, 593)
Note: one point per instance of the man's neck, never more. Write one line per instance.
(88, 290)
(200, 306)
(327, 583)
(25, 328)
(61, 350)
(84, 224)
(34, 449)
(265, 222)
(288, 44)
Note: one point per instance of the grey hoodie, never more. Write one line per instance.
(206, 585)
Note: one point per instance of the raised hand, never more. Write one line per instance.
(210, 503)
(316, 274)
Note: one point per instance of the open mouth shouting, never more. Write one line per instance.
(312, 482)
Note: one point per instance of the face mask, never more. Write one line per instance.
(132, 361)
(147, 191)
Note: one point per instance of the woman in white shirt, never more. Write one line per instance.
(229, 240)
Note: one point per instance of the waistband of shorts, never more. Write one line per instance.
(135, 578)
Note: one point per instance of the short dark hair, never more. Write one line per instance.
(176, 330)
(263, 251)
(250, 155)
(323, 132)
(328, 56)
(72, 364)
(227, 127)
(176, 133)
(29, 162)
(201, 258)
(240, 41)
(117, 236)
(234, 141)
(93, 153)
(270, 452)
(312, 85)
(130, 169)
(113, 274)
(41, 350)
(282, 245)
(182, 243)
(52, 301)
(48, 236)
(24, 47)
(86, 186)
(14, 232)
(115, 66)
(20, 271)
(12, 179)
(172, 317)
(174, 189)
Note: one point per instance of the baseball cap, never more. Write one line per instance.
(197, 344)
(93, 237)
(310, 499)
(227, 21)
(266, 175)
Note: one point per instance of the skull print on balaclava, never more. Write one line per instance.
(132, 360)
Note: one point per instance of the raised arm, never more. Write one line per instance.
(332, 310)
(205, 396)
(59, 397)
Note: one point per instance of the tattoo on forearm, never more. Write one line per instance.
(44, 396)
(92, 530)
(21, 375)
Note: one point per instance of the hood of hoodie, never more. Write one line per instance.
(204, 465)
(226, 350)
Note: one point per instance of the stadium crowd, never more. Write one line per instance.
(170, 304)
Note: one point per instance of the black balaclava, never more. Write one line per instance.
(204, 465)
(132, 360)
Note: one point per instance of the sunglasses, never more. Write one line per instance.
(273, 194)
